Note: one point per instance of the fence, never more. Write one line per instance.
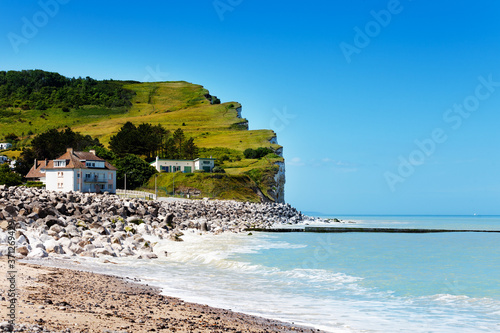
(135, 194)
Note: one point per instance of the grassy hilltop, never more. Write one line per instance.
(216, 129)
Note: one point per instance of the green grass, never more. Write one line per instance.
(222, 186)
(171, 104)
(12, 154)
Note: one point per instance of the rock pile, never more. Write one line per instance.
(92, 225)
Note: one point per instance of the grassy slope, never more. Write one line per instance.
(222, 186)
(171, 104)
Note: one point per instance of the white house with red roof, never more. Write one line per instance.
(75, 171)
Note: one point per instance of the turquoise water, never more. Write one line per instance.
(403, 264)
(440, 282)
(340, 282)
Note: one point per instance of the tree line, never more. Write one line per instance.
(153, 140)
(50, 145)
(37, 90)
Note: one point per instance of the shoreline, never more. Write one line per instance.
(38, 224)
(58, 299)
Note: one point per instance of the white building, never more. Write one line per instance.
(75, 171)
(185, 166)
(5, 145)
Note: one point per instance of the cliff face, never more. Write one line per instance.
(277, 191)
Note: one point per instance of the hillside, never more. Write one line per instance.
(217, 129)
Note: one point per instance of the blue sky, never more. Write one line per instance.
(383, 107)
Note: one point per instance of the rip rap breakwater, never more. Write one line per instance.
(93, 225)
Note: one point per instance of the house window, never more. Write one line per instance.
(206, 162)
(60, 174)
(60, 185)
(59, 164)
(110, 176)
(110, 186)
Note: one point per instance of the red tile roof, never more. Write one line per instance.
(36, 170)
(74, 160)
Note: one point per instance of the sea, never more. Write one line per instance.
(338, 282)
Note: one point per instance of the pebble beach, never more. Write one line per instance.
(62, 300)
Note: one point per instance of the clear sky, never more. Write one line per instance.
(383, 107)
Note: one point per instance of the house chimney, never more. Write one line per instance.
(69, 150)
(35, 163)
(92, 151)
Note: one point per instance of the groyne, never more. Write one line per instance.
(365, 230)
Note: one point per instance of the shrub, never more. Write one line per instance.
(257, 153)
(249, 153)
(218, 169)
(34, 184)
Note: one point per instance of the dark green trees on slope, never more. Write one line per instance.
(153, 141)
(37, 89)
(138, 171)
(52, 144)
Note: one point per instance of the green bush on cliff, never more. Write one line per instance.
(256, 153)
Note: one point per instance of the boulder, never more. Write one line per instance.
(23, 250)
(134, 219)
(22, 240)
(61, 208)
(11, 209)
(105, 252)
(56, 228)
(51, 220)
(38, 253)
(39, 210)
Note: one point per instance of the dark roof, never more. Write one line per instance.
(83, 155)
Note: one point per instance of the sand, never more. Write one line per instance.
(63, 300)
